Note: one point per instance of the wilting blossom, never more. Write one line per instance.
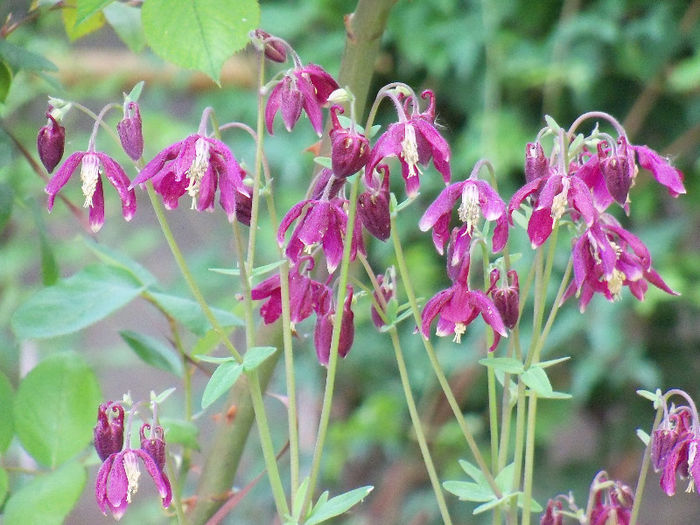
(477, 198)
(304, 293)
(373, 205)
(611, 504)
(414, 141)
(321, 222)
(92, 165)
(606, 257)
(323, 332)
(130, 131)
(197, 165)
(50, 142)
(458, 306)
(387, 288)
(109, 431)
(506, 297)
(304, 87)
(349, 148)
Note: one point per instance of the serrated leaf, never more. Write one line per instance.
(536, 380)
(468, 490)
(255, 356)
(55, 408)
(223, 378)
(7, 427)
(19, 58)
(120, 260)
(75, 29)
(190, 314)
(199, 34)
(75, 302)
(153, 352)
(125, 19)
(86, 8)
(5, 80)
(508, 365)
(181, 432)
(338, 505)
(48, 498)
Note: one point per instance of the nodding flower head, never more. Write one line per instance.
(50, 142)
(109, 431)
(349, 149)
(130, 131)
(272, 47)
(506, 297)
(323, 333)
(153, 443)
(373, 205)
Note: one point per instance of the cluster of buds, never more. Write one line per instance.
(609, 503)
(117, 478)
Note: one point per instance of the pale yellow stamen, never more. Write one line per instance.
(89, 175)
(460, 328)
(561, 200)
(409, 150)
(131, 467)
(615, 283)
(199, 167)
(470, 211)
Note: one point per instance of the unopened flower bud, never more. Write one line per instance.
(373, 207)
(349, 149)
(272, 47)
(109, 431)
(387, 286)
(536, 164)
(323, 333)
(130, 131)
(50, 143)
(552, 515)
(153, 444)
(618, 170)
(506, 297)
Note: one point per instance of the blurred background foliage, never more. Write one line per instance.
(496, 67)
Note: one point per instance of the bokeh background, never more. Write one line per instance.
(496, 67)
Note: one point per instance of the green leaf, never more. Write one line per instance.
(260, 270)
(135, 92)
(215, 360)
(324, 162)
(86, 8)
(120, 260)
(536, 380)
(4, 485)
(552, 362)
(5, 80)
(255, 356)
(6, 200)
(468, 490)
(153, 352)
(181, 432)
(199, 34)
(47, 499)
(75, 302)
(300, 497)
(75, 29)
(506, 364)
(7, 428)
(472, 471)
(125, 19)
(223, 378)
(55, 408)
(491, 504)
(190, 314)
(338, 505)
(160, 398)
(19, 58)
(552, 124)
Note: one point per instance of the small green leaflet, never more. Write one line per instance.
(223, 378)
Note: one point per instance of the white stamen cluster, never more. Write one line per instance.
(89, 175)
(469, 210)
(460, 329)
(409, 150)
(615, 283)
(199, 167)
(131, 467)
(561, 200)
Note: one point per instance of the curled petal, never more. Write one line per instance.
(663, 172)
(432, 309)
(60, 178)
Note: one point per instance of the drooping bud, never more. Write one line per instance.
(536, 163)
(109, 431)
(349, 149)
(153, 444)
(373, 206)
(50, 142)
(387, 286)
(506, 297)
(552, 515)
(130, 130)
(618, 171)
(272, 47)
(323, 333)
(244, 205)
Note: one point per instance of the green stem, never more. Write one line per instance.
(529, 458)
(519, 446)
(177, 492)
(418, 429)
(255, 199)
(644, 469)
(434, 363)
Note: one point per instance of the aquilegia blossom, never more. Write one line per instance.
(130, 130)
(92, 165)
(109, 431)
(196, 165)
(50, 142)
(323, 332)
(373, 204)
(349, 148)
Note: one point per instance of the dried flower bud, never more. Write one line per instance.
(506, 297)
(109, 431)
(349, 149)
(154, 444)
(130, 131)
(50, 143)
(536, 164)
(373, 207)
(272, 47)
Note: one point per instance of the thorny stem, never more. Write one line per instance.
(644, 468)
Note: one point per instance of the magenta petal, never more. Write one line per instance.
(663, 172)
(432, 309)
(441, 233)
(441, 206)
(333, 243)
(580, 198)
(101, 483)
(311, 105)
(438, 145)
(655, 279)
(119, 179)
(207, 190)
(156, 164)
(291, 100)
(488, 311)
(539, 228)
(388, 145)
(273, 104)
(60, 178)
(500, 234)
(117, 482)
(289, 218)
(159, 478)
(523, 193)
(97, 209)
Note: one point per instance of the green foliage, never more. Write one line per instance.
(7, 429)
(221, 381)
(153, 352)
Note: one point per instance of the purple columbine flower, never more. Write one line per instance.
(536, 163)
(458, 306)
(323, 333)
(618, 169)
(414, 141)
(153, 443)
(197, 165)
(476, 198)
(90, 175)
(373, 205)
(50, 142)
(272, 47)
(673, 429)
(304, 87)
(552, 514)
(109, 431)
(130, 131)
(349, 149)
(606, 257)
(612, 504)
(304, 293)
(507, 296)
(662, 170)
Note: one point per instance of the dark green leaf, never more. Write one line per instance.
(255, 356)
(48, 498)
(74, 303)
(7, 427)
(5, 80)
(120, 260)
(338, 505)
(199, 34)
(223, 378)
(506, 364)
(181, 432)
(19, 58)
(190, 314)
(153, 352)
(55, 408)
